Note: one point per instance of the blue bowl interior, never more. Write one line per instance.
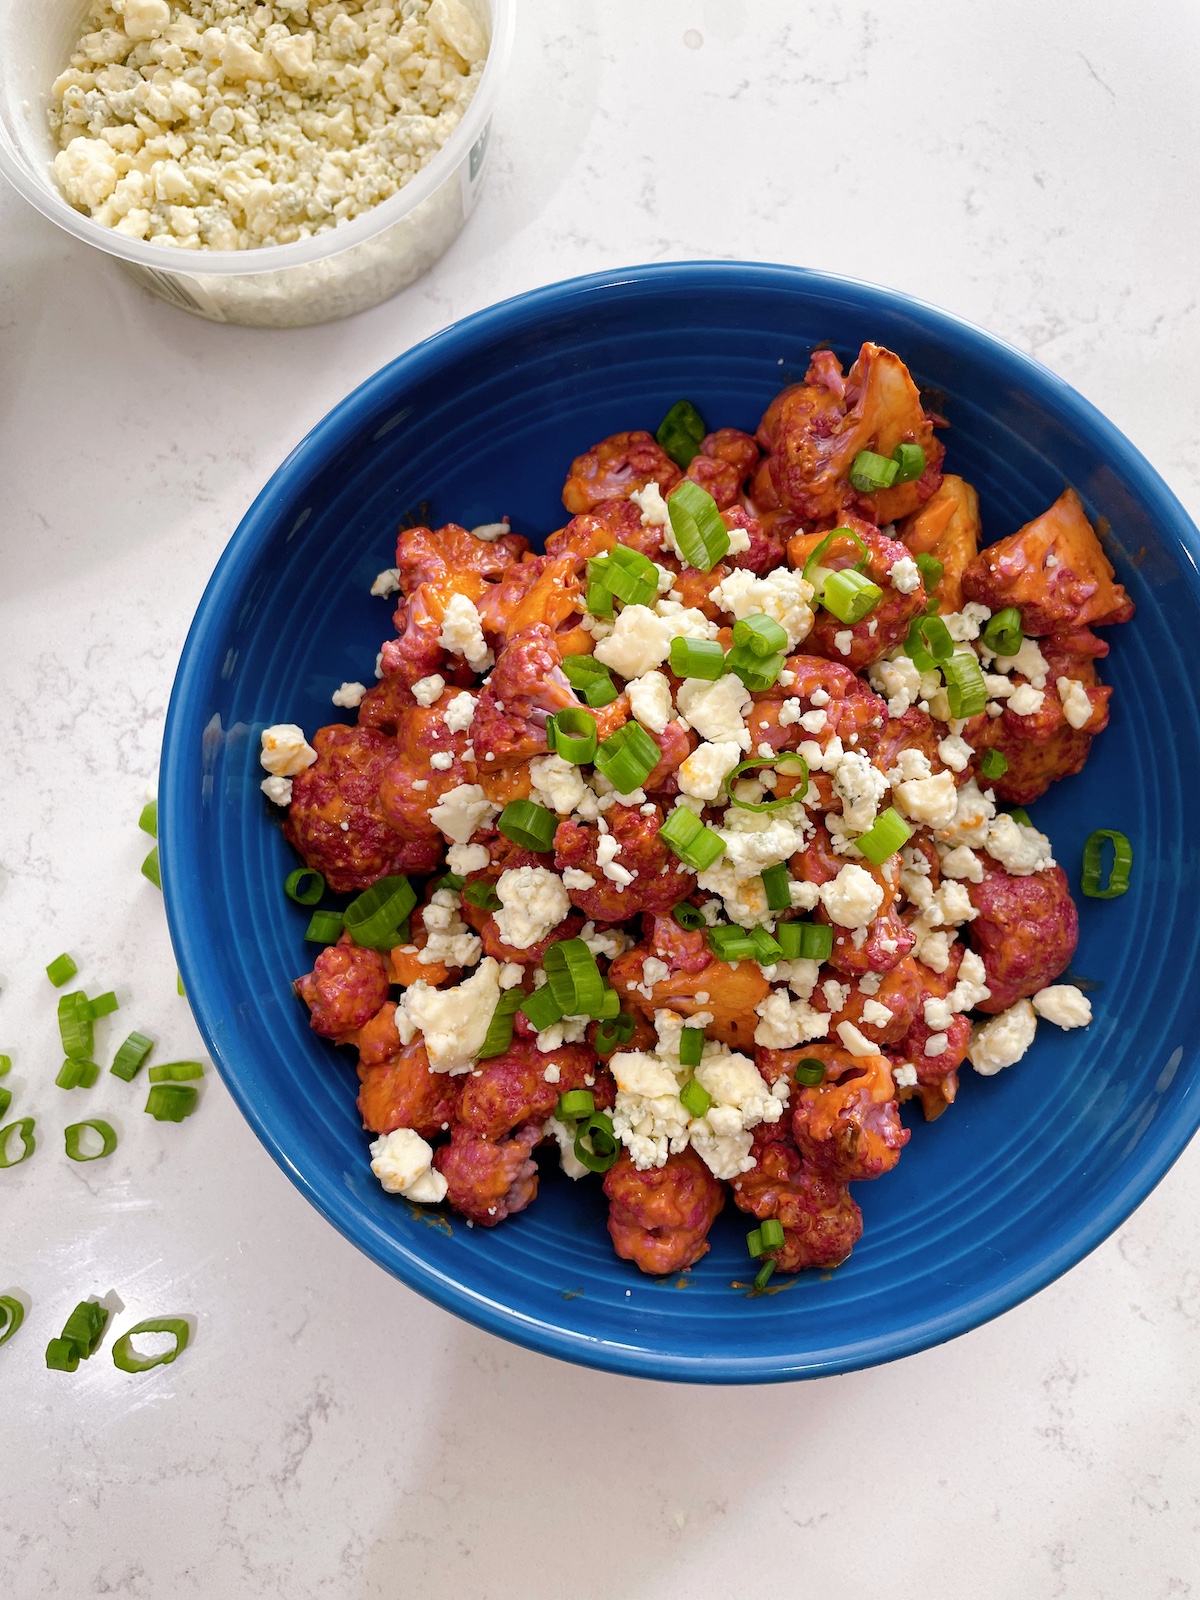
(1029, 1170)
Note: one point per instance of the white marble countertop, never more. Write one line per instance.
(1029, 166)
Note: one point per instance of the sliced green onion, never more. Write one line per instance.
(372, 920)
(1019, 814)
(930, 568)
(574, 978)
(61, 1356)
(171, 1102)
(754, 1242)
(75, 1024)
(500, 1029)
(993, 764)
(729, 943)
(778, 888)
(613, 1032)
(596, 1144)
(541, 1007)
(935, 636)
(148, 821)
(696, 845)
(84, 1328)
(627, 758)
(599, 600)
(763, 1276)
(631, 576)
(599, 692)
(1003, 634)
(772, 1233)
(691, 1053)
(324, 927)
(787, 762)
(304, 886)
(910, 459)
(61, 970)
(809, 1072)
(1092, 879)
(74, 1139)
(528, 824)
(697, 658)
(126, 1358)
(5, 1101)
(576, 1103)
(701, 536)
(551, 733)
(176, 1071)
(761, 634)
(610, 1005)
(579, 669)
(575, 735)
(5, 1066)
(103, 1005)
(915, 648)
(75, 1073)
(756, 672)
(689, 917)
(128, 1061)
(884, 837)
(767, 951)
(805, 941)
(694, 1097)
(680, 433)
(12, 1315)
(179, 989)
(850, 595)
(483, 894)
(150, 868)
(814, 573)
(870, 472)
(965, 688)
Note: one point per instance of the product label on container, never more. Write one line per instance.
(475, 169)
(178, 289)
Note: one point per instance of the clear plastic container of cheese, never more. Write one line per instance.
(334, 274)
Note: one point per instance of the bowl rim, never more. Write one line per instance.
(1157, 1151)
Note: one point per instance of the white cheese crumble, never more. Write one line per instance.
(428, 690)
(715, 710)
(639, 641)
(349, 695)
(533, 902)
(857, 1043)
(607, 851)
(905, 1076)
(1018, 849)
(785, 1023)
(1077, 708)
(753, 841)
(489, 532)
(962, 862)
(685, 622)
(387, 582)
(232, 126)
(973, 812)
(450, 940)
(441, 761)
(897, 680)
(783, 595)
(852, 898)
(1025, 700)
(277, 790)
(650, 701)
(557, 784)
(285, 750)
(844, 640)
(875, 1014)
(905, 575)
(705, 770)
(573, 878)
(460, 713)
(1064, 1005)
(860, 786)
(403, 1163)
(462, 811)
(1028, 661)
(467, 858)
(1003, 1039)
(462, 633)
(453, 1022)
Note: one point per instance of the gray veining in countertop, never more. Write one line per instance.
(1029, 166)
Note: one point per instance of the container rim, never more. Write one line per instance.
(46, 198)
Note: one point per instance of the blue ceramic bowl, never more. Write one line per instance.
(1029, 1170)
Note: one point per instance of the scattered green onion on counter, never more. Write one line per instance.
(150, 868)
(61, 970)
(75, 1073)
(176, 1072)
(148, 821)
(76, 1132)
(171, 1102)
(12, 1315)
(129, 1059)
(126, 1358)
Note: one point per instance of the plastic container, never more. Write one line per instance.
(333, 275)
(1030, 1169)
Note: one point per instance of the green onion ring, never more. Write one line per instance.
(305, 886)
(127, 1360)
(776, 761)
(25, 1126)
(13, 1314)
(73, 1134)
